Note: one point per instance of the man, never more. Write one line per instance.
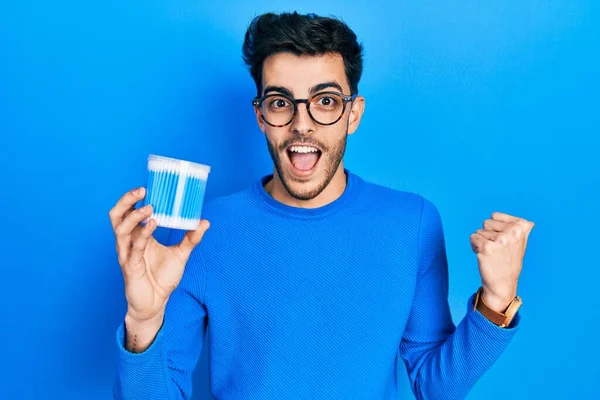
(313, 280)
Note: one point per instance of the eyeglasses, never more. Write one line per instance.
(325, 108)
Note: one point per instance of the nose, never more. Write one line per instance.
(302, 124)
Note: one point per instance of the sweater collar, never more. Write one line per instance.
(342, 202)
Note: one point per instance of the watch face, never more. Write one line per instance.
(512, 309)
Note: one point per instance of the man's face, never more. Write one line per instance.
(306, 154)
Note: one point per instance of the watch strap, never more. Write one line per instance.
(501, 319)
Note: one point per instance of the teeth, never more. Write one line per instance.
(303, 149)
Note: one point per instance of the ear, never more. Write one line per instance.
(356, 112)
(259, 120)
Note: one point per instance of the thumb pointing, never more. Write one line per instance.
(192, 238)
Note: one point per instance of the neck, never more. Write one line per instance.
(334, 190)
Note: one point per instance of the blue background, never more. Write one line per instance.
(479, 106)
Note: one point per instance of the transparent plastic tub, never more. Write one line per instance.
(176, 191)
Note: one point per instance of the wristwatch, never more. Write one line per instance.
(501, 319)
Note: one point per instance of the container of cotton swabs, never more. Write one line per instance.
(176, 191)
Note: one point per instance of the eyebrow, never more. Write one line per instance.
(316, 88)
(279, 89)
(325, 85)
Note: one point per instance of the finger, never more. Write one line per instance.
(132, 220)
(131, 209)
(123, 247)
(125, 244)
(135, 233)
(480, 244)
(489, 235)
(527, 226)
(477, 242)
(125, 230)
(125, 206)
(504, 217)
(139, 245)
(192, 238)
(494, 225)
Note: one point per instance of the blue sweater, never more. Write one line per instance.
(315, 304)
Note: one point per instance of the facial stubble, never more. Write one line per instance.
(332, 159)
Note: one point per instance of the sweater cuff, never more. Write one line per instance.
(141, 375)
(153, 351)
(490, 329)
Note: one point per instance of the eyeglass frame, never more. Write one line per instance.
(257, 102)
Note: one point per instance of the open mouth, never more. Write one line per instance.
(304, 159)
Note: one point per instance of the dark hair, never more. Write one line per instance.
(299, 34)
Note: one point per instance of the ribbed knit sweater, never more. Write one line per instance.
(315, 304)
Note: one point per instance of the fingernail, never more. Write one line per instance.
(136, 192)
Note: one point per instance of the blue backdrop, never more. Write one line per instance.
(479, 106)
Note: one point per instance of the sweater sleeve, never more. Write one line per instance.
(444, 361)
(164, 370)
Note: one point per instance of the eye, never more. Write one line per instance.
(327, 101)
(279, 103)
